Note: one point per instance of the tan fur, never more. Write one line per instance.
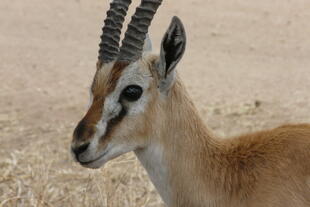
(267, 168)
(270, 168)
(106, 79)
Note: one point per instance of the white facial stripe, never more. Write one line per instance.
(132, 75)
(112, 107)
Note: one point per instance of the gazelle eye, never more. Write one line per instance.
(132, 93)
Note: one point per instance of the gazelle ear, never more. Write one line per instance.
(172, 50)
(147, 47)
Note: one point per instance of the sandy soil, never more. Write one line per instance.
(247, 67)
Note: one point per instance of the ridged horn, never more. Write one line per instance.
(109, 45)
(132, 45)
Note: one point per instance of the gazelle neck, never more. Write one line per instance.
(179, 156)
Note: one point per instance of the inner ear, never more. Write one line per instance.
(172, 50)
(173, 47)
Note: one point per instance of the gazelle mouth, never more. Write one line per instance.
(86, 164)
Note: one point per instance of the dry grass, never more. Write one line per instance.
(44, 175)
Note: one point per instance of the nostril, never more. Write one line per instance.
(80, 149)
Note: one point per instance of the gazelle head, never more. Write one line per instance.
(129, 85)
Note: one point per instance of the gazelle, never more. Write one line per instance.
(138, 103)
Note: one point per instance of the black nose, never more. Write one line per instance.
(80, 149)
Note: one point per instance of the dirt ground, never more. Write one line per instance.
(247, 67)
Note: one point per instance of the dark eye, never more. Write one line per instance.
(132, 93)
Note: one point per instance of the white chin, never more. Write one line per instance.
(110, 155)
(95, 164)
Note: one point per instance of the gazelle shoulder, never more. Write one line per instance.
(287, 143)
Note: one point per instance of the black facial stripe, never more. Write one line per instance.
(116, 120)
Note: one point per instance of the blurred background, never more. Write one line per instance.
(247, 67)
